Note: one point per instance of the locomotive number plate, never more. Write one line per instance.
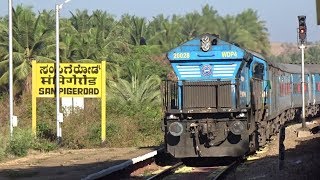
(183, 55)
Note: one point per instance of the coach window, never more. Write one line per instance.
(258, 71)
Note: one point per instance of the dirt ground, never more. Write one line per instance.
(302, 158)
(67, 164)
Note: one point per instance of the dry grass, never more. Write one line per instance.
(278, 48)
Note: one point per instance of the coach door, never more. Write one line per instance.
(313, 89)
(256, 86)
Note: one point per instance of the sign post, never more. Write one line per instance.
(103, 103)
(86, 80)
(34, 99)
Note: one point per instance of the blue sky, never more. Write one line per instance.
(280, 15)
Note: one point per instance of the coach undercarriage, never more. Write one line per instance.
(268, 127)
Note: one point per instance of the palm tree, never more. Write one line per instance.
(136, 28)
(229, 30)
(248, 20)
(137, 93)
(136, 89)
(81, 21)
(209, 20)
(110, 35)
(31, 36)
(191, 25)
(166, 32)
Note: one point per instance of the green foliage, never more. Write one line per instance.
(45, 131)
(137, 94)
(44, 145)
(80, 127)
(150, 125)
(46, 109)
(20, 143)
(2, 149)
(99, 35)
(94, 134)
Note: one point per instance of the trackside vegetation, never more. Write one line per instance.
(134, 49)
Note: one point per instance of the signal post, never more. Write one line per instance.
(302, 38)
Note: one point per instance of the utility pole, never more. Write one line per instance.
(318, 11)
(10, 69)
(58, 75)
(59, 115)
(302, 35)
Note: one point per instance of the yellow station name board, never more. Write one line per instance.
(76, 79)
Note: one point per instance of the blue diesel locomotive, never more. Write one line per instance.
(228, 101)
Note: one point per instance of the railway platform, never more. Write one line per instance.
(73, 164)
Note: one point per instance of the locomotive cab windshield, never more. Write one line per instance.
(258, 71)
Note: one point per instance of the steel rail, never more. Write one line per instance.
(222, 172)
(166, 172)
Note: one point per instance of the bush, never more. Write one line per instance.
(2, 149)
(81, 127)
(20, 143)
(45, 131)
(95, 134)
(44, 145)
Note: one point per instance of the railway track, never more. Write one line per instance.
(183, 171)
(220, 173)
(174, 169)
(211, 173)
(166, 172)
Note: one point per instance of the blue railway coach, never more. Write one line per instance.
(227, 101)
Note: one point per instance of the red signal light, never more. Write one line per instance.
(302, 30)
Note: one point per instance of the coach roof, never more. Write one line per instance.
(291, 68)
(313, 68)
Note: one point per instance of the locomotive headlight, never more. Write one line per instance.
(237, 127)
(241, 115)
(172, 117)
(175, 129)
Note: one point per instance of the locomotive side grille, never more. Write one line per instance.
(204, 94)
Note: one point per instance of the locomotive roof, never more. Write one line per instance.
(255, 54)
(290, 68)
(273, 64)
